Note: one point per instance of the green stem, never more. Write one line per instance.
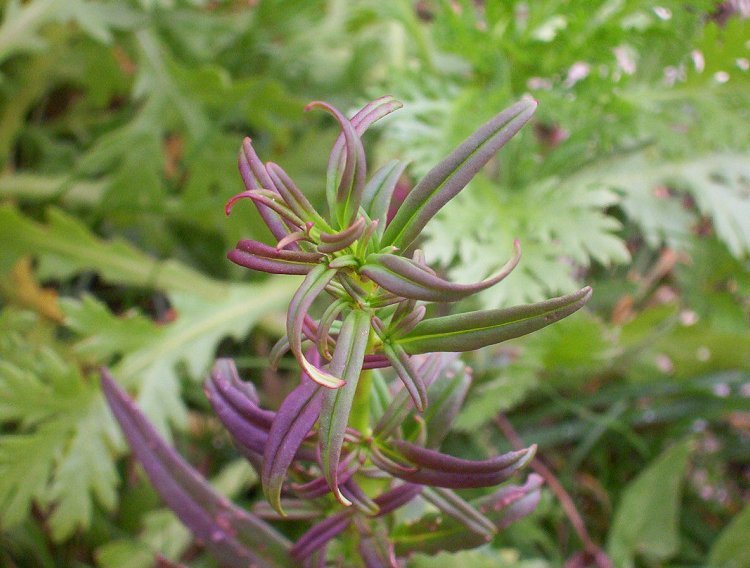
(360, 414)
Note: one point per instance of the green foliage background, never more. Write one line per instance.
(119, 126)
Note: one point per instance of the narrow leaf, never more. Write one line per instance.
(295, 418)
(361, 121)
(320, 535)
(315, 282)
(347, 363)
(378, 192)
(293, 197)
(255, 176)
(440, 470)
(258, 256)
(338, 241)
(232, 535)
(409, 279)
(434, 533)
(352, 184)
(453, 505)
(448, 178)
(473, 330)
(447, 397)
(408, 373)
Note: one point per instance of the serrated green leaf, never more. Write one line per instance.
(150, 363)
(646, 519)
(61, 457)
(66, 246)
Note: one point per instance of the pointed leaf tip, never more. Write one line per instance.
(473, 330)
(443, 182)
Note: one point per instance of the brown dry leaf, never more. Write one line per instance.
(21, 288)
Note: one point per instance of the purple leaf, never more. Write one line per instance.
(347, 364)
(352, 184)
(233, 536)
(339, 241)
(258, 256)
(434, 533)
(320, 535)
(293, 197)
(432, 459)
(270, 200)
(247, 429)
(361, 121)
(375, 549)
(447, 397)
(358, 498)
(319, 486)
(440, 470)
(409, 279)
(443, 182)
(472, 330)
(295, 418)
(396, 412)
(255, 176)
(313, 285)
(396, 497)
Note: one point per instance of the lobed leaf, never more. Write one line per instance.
(443, 182)
(473, 330)
(232, 535)
(348, 358)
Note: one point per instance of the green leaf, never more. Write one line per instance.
(150, 361)
(646, 521)
(472, 330)
(66, 246)
(61, 455)
(546, 217)
(337, 403)
(719, 182)
(732, 548)
(509, 387)
(443, 182)
(484, 558)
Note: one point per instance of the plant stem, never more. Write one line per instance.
(360, 414)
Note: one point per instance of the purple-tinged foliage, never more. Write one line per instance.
(233, 536)
(351, 443)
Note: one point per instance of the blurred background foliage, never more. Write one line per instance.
(120, 121)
